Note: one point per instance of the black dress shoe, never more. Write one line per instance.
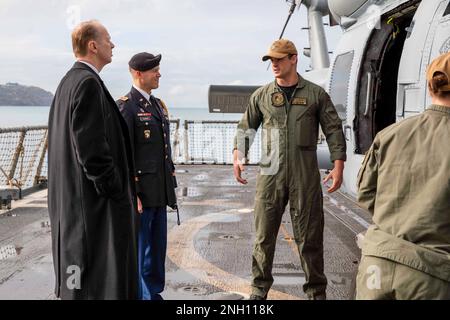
(157, 297)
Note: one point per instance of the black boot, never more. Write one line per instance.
(257, 297)
(317, 296)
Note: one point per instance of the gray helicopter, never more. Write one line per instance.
(376, 76)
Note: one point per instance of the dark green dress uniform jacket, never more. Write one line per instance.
(149, 129)
(405, 183)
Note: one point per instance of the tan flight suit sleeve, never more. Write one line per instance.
(367, 178)
(331, 126)
(247, 127)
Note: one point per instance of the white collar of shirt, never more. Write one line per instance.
(90, 66)
(144, 94)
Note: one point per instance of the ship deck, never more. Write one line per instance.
(209, 255)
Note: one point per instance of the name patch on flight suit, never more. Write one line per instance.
(300, 101)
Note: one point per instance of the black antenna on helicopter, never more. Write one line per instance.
(294, 4)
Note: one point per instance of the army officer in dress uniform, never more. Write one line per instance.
(148, 122)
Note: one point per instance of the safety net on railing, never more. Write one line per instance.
(213, 141)
(23, 156)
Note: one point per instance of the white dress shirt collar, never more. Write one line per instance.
(90, 66)
(144, 94)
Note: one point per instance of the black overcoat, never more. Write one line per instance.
(90, 192)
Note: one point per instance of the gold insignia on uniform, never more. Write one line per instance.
(300, 101)
(147, 134)
(124, 98)
(164, 107)
(278, 99)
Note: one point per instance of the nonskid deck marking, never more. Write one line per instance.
(181, 251)
(349, 213)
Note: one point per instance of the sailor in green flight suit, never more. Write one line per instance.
(290, 110)
(404, 182)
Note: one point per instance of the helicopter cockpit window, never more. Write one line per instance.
(340, 78)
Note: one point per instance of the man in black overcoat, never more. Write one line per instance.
(91, 198)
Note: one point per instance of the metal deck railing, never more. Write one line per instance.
(23, 156)
(23, 151)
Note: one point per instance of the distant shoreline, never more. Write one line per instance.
(14, 94)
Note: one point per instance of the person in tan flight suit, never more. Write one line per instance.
(405, 184)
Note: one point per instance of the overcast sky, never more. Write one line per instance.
(202, 42)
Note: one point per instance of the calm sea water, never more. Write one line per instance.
(37, 116)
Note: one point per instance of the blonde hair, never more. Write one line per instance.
(82, 34)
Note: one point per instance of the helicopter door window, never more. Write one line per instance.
(340, 78)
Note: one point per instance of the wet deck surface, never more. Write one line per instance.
(209, 255)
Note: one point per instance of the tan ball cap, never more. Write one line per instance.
(440, 64)
(280, 49)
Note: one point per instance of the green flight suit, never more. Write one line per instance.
(295, 179)
(405, 184)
